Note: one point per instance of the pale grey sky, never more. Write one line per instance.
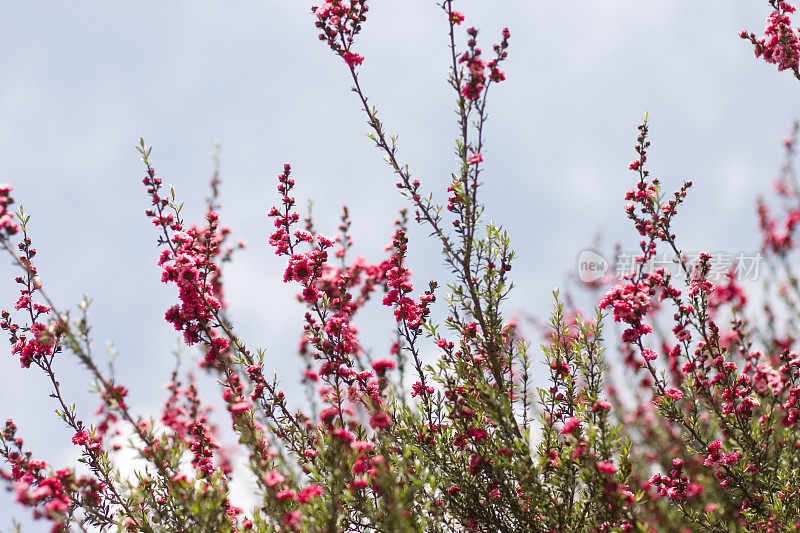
(81, 81)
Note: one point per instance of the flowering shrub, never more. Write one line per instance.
(707, 439)
(781, 43)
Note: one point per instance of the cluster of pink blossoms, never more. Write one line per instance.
(779, 237)
(781, 43)
(330, 330)
(49, 493)
(333, 333)
(630, 303)
(675, 485)
(112, 401)
(398, 282)
(722, 389)
(41, 343)
(340, 21)
(7, 225)
(571, 425)
(477, 67)
(192, 259)
(614, 492)
(717, 459)
(189, 260)
(748, 391)
(632, 300)
(37, 339)
(187, 264)
(330, 344)
(188, 420)
(778, 241)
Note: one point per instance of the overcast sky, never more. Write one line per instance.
(81, 81)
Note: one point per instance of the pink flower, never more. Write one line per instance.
(41, 344)
(476, 68)
(311, 294)
(477, 434)
(353, 59)
(601, 405)
(571, 425)
(240, 407)
(328, 414)
(273, 478)
(781, 45)
(306, 494)
(607, 467)
(382, 365)
(301, 268)
(417, 389)
(475, 461)
(343, 434)
(81, 437)
(292, 518)
(577, 453)
(457, 17)
(7, 225)
(475, 158)
(630, 303)
(361, 446)
(24, 301)
(380, 420)
(675, 394)
(649, 355)
(285, 494)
